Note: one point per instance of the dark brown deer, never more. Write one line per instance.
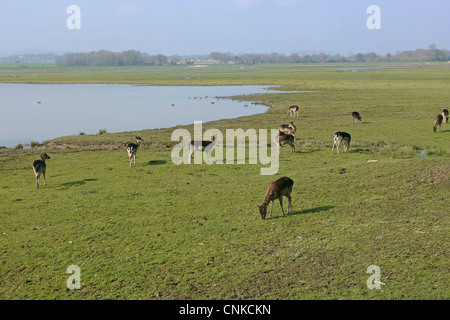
(276, 190)
(341, 138)
(132, 149)
(438, 122)
(39, 168)
(282, 139)
(293, 110)
(355, 116)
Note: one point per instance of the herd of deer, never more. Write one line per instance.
(279, 188)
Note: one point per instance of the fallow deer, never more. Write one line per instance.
(203, 145)
(341, 138)
(288, 128)
(132, 149)
(276, 190)
(293, 110)
(355, 116)
(39, 168)
(282, 138)
(438, 122)
(445, 115)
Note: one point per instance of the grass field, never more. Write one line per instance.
(165, 231)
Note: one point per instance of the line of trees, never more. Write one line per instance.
(110, 58)
(133, 57)
(418, 55)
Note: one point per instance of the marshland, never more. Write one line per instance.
(163, 231)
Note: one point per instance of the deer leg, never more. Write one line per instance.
(271, 206)
(289, 204)
(281, 204)
(43, 174)
(37, 180)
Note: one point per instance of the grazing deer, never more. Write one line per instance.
(438, 122)
(288, 128)
(276, 190)
(206, 146)
(39, 168)
(445, 115)
(282, 138)
(341, 138)
(292, 110)
(355, 116)
(132, 149)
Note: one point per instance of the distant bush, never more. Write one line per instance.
(81, 133)
(101, 131)
(34, 144)
(19, 146)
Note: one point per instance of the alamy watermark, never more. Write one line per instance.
(74, 281)
(258, 151)
(374, 281)
(374, 20)
(74, 20)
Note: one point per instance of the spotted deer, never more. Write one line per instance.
(39, 168)
(445, 115)
(276, 190)
(132, 149)
(355, 116)
(293, 110)
(341, 138)
(282, 139)
(203, 145)
(288, 128)
(438, 122)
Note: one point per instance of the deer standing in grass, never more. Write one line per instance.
(341, 138)
(355, 116)
(293, 110)
(282, 138)
(39, 168)
(276, 190)
(288, 128)
(438, 122)
(132, 149)
(445, 115)
(206, 146)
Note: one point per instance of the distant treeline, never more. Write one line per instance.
(418, 55)
(109, 58)
(133, 57)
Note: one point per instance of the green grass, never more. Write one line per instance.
(165, 231)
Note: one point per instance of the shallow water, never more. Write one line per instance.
(38, 112)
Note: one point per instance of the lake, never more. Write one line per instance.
(38, 112)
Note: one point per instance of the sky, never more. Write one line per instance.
(193, 27)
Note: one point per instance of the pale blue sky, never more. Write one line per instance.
(238, 26)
